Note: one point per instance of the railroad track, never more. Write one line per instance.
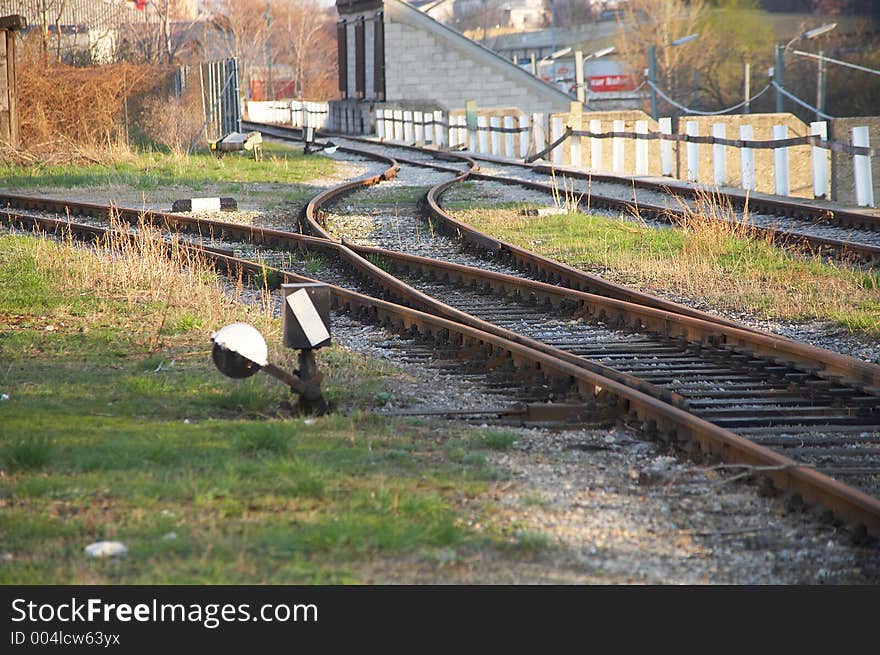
(617, 356)
(852, 236)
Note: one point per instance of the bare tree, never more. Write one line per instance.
(246, 27)
(303, 44)
(659, 23)
(301, 41)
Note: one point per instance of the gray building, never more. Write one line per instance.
(390, 52)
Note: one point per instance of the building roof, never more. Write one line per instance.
(94, 14)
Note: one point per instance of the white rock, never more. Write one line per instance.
(106, 549)
(170, 536)
(4, 396)
(309, 421)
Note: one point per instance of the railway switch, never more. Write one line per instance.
(240, 350)
(313, 146)
(252, 142)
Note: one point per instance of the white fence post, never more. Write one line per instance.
(595, 145)
(641, 149)
(439, 132)
(453, 132)
(747, 158)
(408, 127)
(389, 124)
(495, 135)
(719, 155)
(472, 136)
(523, 136)
(538, 132)
(862, 166)
(617, 148)
(380, 124)
(509, 144)
(419, 120)
(820, 161)
(398, 125)
(428, 117)
(780, 162)
(482, 134)
(691, 128)
(574, 150)
(462, 131)
(667, 165)
(556, 130)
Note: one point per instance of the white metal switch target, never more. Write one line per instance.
(307, 317)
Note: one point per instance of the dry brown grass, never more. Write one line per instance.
(148, 270)
(70, 113)
(173, 122)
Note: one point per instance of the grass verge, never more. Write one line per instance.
(148, 170)
(115, 425)
(702, 259)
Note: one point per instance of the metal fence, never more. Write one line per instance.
(218, 84)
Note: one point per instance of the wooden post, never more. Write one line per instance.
(9, 126)
(780, 162)
(747, 158)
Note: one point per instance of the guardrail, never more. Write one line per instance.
(295, 113)
(528, 138)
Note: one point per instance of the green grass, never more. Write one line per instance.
(151, 169)
(712, 264)
(102, 439)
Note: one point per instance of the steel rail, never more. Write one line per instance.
(787, 208)
(533, 263)
(658, 418)
(739, 199)
(665, 320)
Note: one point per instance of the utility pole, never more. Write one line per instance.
(820, 87)
(747, 87)
(778, 77)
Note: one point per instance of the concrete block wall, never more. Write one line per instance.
(426, 61)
